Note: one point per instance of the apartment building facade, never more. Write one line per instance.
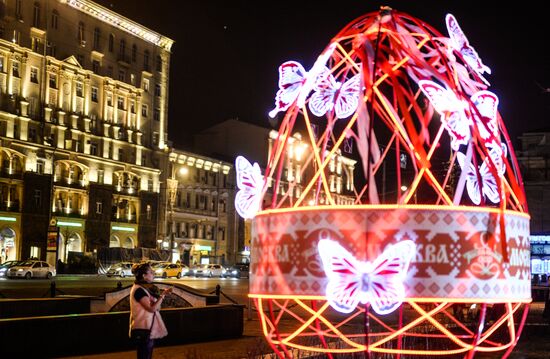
(83, 128)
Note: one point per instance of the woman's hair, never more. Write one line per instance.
(139, 270)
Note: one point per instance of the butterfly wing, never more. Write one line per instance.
(348, 97)
(386, 290)
(322, 99)
(472, 184)
(250, 183)
(291, 78)
(486, 103)
(343, 290)
(458, 39)
(449, 107)
(318, 70)
(489, 183)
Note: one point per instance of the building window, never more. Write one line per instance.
(97, 35)
(122, 50)
(157, 90)
(81, 39)
(109, 100)
(143, 159)
(32, 134)
(18, 12)
(146, 85)
(94, 94)
(36, 15)
(34, 75)
(120, 154)
(93, 149)
(159, 63)
(149, 212)
(144, 110)
(100, 176)
(121, 75)
(35, 44)
(111, 42)
(110, 71)
(79, 91)
(132, 79)
(156, 114)
(1, 63)
(155, 138)
(133, 107)
(146, 60)
(134, 53)
(51, 49)
(120, 103)
(37, 197)
(15, 69)
(80, 59)
(55, 16)
(53, 81)
(99, 208)
(95, 66)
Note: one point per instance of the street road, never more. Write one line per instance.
(96, 285)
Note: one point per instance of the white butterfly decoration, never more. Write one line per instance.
(296, 83)
(250, 183)
(454, 113)
(352, 281)
(489, 186)
(460, 43)
(291, 79)
(330, 94)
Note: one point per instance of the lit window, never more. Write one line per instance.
(99, 207)
(34, 75)
(146, 85)
(94, 94)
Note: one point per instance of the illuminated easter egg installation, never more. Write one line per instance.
(429, 259)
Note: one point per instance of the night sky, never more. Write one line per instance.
(226, 53)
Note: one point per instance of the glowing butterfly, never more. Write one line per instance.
(489, 186)
(453, 110)
(330, 94)
(296, 83)
(250, 182)
(460, 43)
(379, 283)
(486, 103)
(291, 79)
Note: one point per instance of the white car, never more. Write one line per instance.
(31, 269)
(122, 269)
(208, 270)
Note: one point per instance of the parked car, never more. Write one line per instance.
(166, 270)
(31, 269)
(5, 266)
(122, 269)
(208, 270)
(236, 271)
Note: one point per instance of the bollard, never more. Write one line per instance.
(218, 289)
(52, 289)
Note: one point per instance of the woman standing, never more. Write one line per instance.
(146, 324)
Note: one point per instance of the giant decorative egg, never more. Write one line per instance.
(391, 216)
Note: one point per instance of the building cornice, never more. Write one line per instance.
(112, 18)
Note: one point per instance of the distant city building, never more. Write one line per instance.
(534, 159)
(232, 138)
(83, 126)
(199, 223)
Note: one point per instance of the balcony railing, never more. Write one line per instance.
(5, 173)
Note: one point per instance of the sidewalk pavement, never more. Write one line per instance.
(533, 344)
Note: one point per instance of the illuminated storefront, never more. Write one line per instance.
(540, 254)
(9, 236)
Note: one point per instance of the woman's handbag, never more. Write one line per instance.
(142, 335)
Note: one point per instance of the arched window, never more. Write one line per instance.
(55, 16)
(36, 15)
(97, 35)
(159, 63)
(114, 242)
(146, 60)
(81, 39)
(111, 42)
(128, 243)
(122, 49)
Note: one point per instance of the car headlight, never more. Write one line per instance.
(118, 268)
(159, 271)
(20, 270)
(223, 270)
(234, 272)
